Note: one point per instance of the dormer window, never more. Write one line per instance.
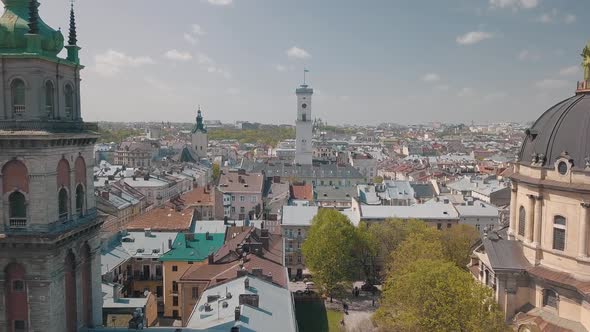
(17, 89)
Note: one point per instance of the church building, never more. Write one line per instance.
(49, 229)
(539, 268)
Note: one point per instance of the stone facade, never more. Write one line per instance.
(49, 229)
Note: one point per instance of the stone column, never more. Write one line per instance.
(530, 220)
(513, 216)
(538, 220)
(583, 231)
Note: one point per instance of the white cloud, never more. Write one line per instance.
(473, 37)
(197, 30)
(190, 38)
(545, 18)
(431, 77)
(280, 68)
(570, 71)
(526, 55)
(178, 55)
(465, 92)
(111, 62)
(297, 53)
(203, 59)
(551, 84)
(220, 2)
(570, 18)
(514, 4)
(193, 35)
(549, 17)
(442, 88)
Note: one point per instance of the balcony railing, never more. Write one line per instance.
(55, 125)
(18, 223)
(55, 227)
(19, 109)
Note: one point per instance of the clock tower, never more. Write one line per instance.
(304, 126)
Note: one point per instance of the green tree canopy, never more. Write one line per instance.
(434, 295)
(418, 245)
(329, 249)
(457, 243)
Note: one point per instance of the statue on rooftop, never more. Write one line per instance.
(586, 62)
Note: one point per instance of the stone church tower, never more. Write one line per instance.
(199, 138)
(49, 244)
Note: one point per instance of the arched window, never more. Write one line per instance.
(80, 200)
(69, 94)
(550, 298)
(63, 204)
(49, 99)
(17, 210)
(559, 233)
(17, 89)
(521, 221)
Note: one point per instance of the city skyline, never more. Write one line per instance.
(388, 62)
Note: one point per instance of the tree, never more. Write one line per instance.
(434, 295)
(378, 179)
(216, 170)
(423, 245)
(457, 243)
(366, 250)
(329, 250)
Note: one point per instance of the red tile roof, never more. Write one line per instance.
(164, 219)
(302, 192)
(217, 273)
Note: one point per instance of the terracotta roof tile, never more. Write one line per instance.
(165, 219)
(302, 192)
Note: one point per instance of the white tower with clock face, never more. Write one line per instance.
(304, 124)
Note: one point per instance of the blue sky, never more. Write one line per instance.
(372, 61)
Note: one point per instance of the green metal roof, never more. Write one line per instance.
(14, 27)
(193, 251)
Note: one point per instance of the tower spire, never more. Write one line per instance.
(72, 40)
(72, 47)
(33, 17)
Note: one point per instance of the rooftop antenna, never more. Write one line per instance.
(305, 71)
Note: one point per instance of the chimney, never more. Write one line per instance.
(189, 236)
(105, 195)
(148, 232)
(210, 258)
(207, 236)
(249, 299)
(237, 314)
(169, 243)
(257, 272)
(246, 283)
(242, 272)
(235, 329)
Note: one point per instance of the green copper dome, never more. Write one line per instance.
(14, 26)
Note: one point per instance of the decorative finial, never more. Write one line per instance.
(72, 40)
(33, 17)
